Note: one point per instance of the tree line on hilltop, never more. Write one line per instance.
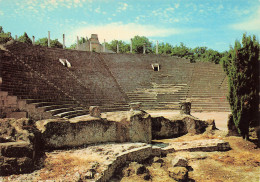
(5, 37)
(197, 54)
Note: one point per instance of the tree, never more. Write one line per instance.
(138, 43)
(25, 39)
(207, 55)
(183, 52)
(4, 37)
(44, 42)
(56, 44)
(242, 69)
(123, 47)
(164, 48)
(199, 53)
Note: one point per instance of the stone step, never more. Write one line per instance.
(76, 115)
(24, 84)
(35, 97)
(62, 110)
(68, 113)
(42, 102)
(26, 91)
(50, 107)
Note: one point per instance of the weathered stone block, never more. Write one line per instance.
(12, 100)
(208, 145)
(17, 115)
(156, 151)
(178, 126)
(135, 106)
(60, 133)
(165, 128)
(14, 165)
(139, 154)
(178, 173)
(8, 166)
(25, 164)
(140, 129)
(179, 162)
(16, 149)
(194, 126)
(158, 160)
(185, 108)
(94, 111)
(3, 94)
(133, 127)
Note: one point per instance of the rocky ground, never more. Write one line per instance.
(241, 163)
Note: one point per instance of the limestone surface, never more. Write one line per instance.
(179, 162)
(134, 126)
(179, 125)
(199, 145)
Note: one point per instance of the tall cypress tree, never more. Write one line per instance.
(242, 70)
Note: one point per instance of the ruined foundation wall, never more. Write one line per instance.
(61, 133)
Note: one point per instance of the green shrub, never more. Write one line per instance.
(4, 37)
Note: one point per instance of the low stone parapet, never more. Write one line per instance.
(138, 154)
(61, 133)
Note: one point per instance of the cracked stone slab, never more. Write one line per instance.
(208, 145)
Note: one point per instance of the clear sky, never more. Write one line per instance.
(215, 24)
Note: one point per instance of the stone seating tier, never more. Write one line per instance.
(82, 63)
(42, 60)
(110, 81)
(200, 80)
(20, 82)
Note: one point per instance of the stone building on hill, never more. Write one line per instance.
(92, 45)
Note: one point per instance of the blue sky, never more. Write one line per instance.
(212, 23)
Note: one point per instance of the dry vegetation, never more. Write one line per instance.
(60, 164)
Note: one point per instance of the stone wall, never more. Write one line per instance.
(95, 45)
(12, 107)
(178, 126)
(61, 133)
(20, 146)
(7, 103)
